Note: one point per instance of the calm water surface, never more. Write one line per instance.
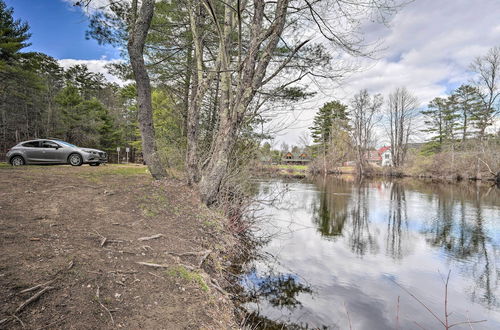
(338, 253)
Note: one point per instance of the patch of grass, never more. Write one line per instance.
(186, 274)
(5, 165)
(125, 170)
(210, 223)
(148, 211)
(92, 178)
(159, 198)
(299, 168)
(95, 175)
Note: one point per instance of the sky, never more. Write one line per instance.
(58, 29)
(427, 47)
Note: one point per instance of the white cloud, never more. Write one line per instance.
(427, 47)
(91, 7)
(98, 66)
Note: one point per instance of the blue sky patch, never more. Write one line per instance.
(58, 29)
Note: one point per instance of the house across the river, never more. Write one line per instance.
(295, 158)
(380, 157)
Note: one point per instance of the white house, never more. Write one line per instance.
(385, 154)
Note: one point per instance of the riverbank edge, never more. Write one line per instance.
(300, 173)
(394, 173)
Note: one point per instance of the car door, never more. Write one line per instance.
(51, 152)
(31, 151)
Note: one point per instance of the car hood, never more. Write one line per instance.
(90, 150)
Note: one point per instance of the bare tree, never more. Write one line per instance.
(402, 109)
(140, 21)
(364, 114)
(487, 68)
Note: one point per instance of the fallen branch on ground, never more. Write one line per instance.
(33, 298)
(19, 320)
(204, 257)
(100, 303)
(216, 285)
(105, 240)
(149, 264)
(123, 271)
(36, 287)
(155, 275)
(200, 253)
(150, 237)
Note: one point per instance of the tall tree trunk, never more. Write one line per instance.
(193, 118)
(141, 22)
(193, 110)
(217, 167)
(200, 85)
(234, 100)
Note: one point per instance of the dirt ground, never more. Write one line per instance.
(70, 239)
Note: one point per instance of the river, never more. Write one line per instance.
(340, 254)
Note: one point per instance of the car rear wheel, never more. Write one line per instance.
(17, 161)
(75, 159)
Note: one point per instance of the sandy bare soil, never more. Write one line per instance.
(70, 239)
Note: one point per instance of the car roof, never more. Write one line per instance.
(36, 140)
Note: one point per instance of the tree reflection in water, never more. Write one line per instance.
(397, 223)
(361, 239)
(342, 210)
(458, 227)
(280, 290)
(331, 211)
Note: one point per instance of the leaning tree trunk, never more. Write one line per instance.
(235, 98)
(137, 37)
(217, 168)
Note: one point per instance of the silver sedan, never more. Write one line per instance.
(44, 151)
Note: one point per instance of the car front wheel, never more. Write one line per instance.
(17, 161)
(75, 159)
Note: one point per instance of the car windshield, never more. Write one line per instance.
(66, 143)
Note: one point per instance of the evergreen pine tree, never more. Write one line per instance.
(13, 35)
(329, 113)
(469, 103)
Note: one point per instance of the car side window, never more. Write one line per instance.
(50, 144)
(32, 144)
